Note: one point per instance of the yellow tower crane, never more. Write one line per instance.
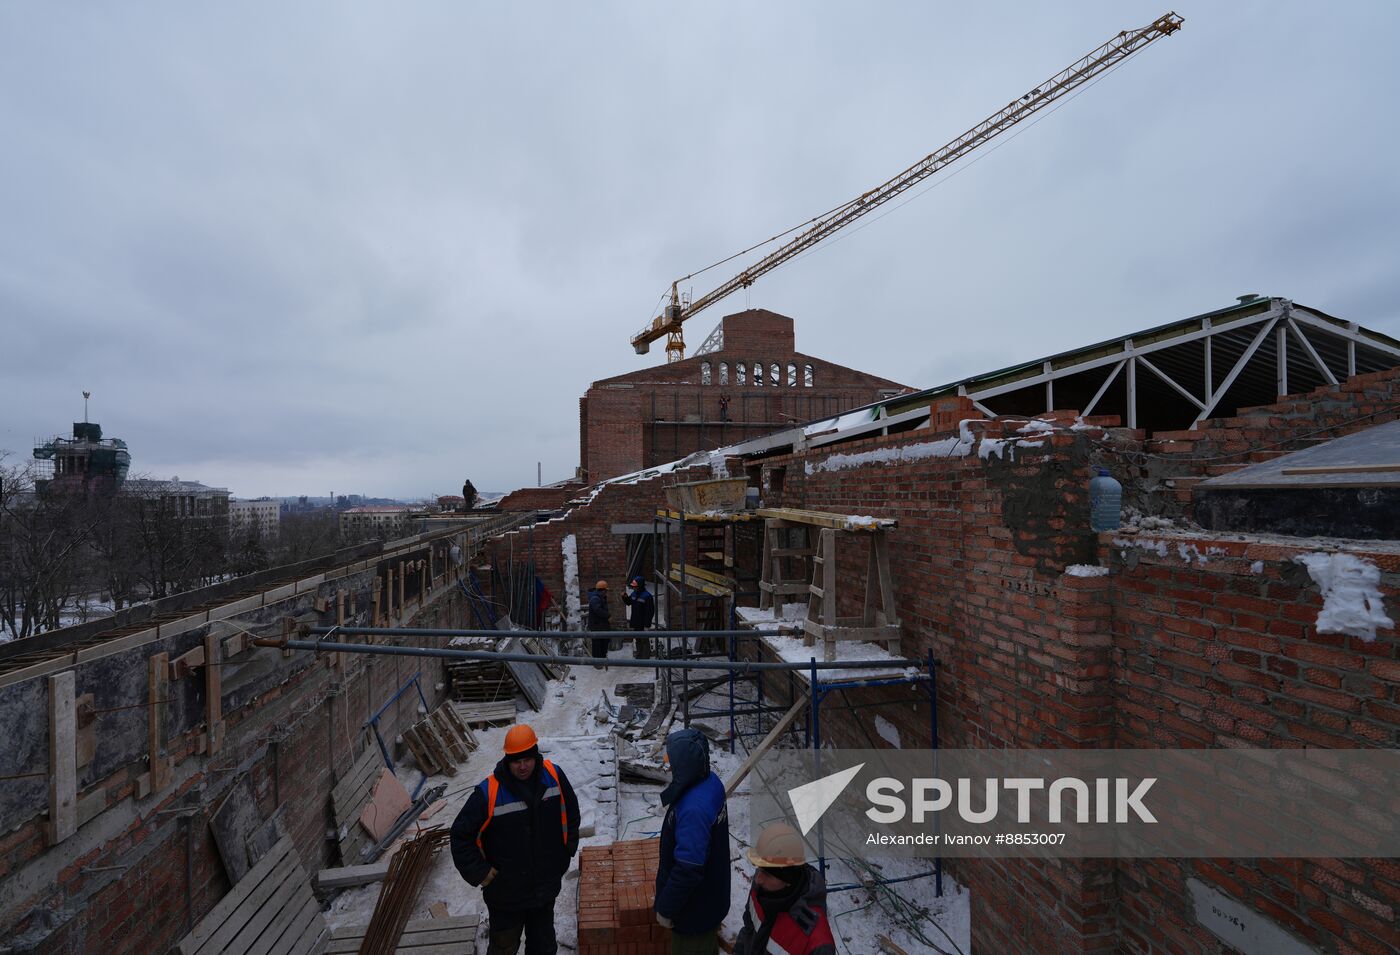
(668, 323)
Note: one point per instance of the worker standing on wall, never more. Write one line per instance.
(643, 606)
(515, 838)
(599, 618)
(787, 904)
(692, 880)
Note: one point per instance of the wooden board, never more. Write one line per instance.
(433, 936)
(485, 713)
(328, 880)
(348, 800)
(63, 757)
(236, 819)
(528, 677)
(837, 522)
(270, 911)
(778, 730)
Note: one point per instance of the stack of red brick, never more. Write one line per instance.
(617, 888)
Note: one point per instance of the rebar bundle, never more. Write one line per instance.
(408, 870)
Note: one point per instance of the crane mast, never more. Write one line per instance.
(668, 323)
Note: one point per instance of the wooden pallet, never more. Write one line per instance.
(270, 911)
(348, 800)
(449, 936)
(440, 741)
(485, 713)
(481, 682)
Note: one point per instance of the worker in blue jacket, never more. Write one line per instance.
(692, 881)
(643, 606)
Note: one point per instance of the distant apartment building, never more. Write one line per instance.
(187, 499)
(374, 521)
(263, 513)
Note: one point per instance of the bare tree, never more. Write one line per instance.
(308, 535)
(42, 550)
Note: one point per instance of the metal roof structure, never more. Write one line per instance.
(1176, 375)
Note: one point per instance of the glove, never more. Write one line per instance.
(662, 920)
(489, 876)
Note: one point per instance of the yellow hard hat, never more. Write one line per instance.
(779, 846)
(520, 738)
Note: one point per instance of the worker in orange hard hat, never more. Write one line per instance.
(787, 904)
(516, 837)
(599, 618)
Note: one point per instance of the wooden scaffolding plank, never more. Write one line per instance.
(63, 757)
(840, 522)
(764, 745)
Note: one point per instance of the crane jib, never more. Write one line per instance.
(1088, 67)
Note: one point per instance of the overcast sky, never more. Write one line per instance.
(376, 248)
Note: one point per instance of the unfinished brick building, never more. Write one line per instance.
(1181, 637)
(747, 380)
(1189, 637)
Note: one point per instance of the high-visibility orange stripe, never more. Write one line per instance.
(493, 786)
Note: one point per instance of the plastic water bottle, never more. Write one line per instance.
(1105, 502)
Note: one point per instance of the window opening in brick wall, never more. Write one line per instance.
(724, 373)
(792, 375)
(740, 378)
(774, 375)
(806, 376)
(704, 373)
(758, 374)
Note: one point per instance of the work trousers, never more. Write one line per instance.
(641, 645)
(537, 925)
(706, 943)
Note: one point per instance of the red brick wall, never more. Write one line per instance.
(539, 498)
(601, 553)
(1215, 644)
(1164, 652)
(618, 416)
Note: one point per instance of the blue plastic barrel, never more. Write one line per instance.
(1105, 502)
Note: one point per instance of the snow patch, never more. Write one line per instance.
(944, 448)
(997, 446)
(888, 732)
(573, 607)
(1257, 567)
(1351, 595)
(1086, 570)
(1187, 551)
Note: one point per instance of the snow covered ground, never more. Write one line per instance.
(570, 735)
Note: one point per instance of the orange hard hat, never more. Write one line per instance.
(520, 738)
(601, 585)
(779, 846)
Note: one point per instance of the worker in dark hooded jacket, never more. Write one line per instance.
(787, 905)
(515, 837)
(599, 619)
(643, 611)
(692, 881)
